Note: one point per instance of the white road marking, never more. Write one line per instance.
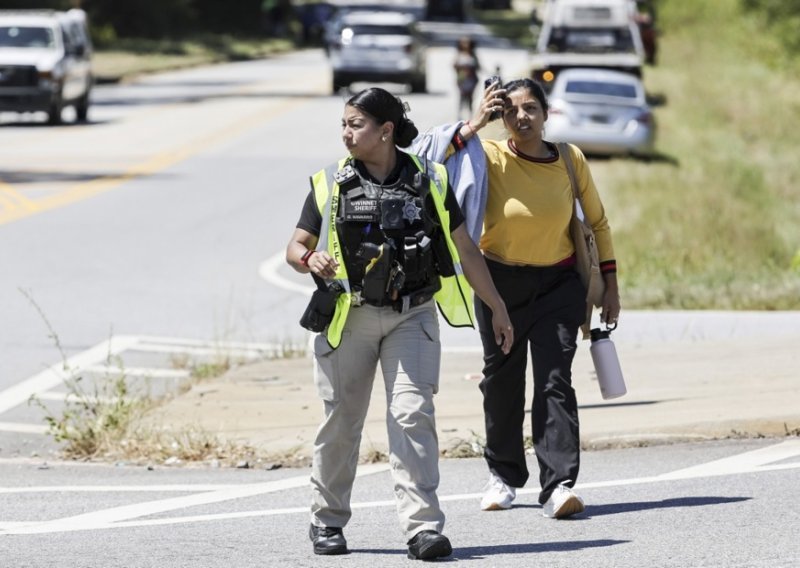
(23, 428)
(268, 270)
(12, 526)
(58, 373)
(219, 345)
(741, 462)
(178, 488)
(93, 359)
(201, 351)
(144, 372)
(757, 461)
(59, 396)
(109, 518)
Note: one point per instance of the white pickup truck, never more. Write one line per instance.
(599, 34)
(45, 62)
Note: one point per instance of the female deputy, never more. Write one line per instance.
(382, 235)
(531, 257)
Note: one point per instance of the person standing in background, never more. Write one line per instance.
(467, 66)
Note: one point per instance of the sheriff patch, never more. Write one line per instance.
(362, 210)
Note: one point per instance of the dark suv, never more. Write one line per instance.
(45, 62)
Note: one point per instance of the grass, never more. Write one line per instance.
(714, 221)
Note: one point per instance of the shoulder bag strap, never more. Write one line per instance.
(563, 149)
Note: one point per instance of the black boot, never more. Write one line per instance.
(427, 545)
(328, 540)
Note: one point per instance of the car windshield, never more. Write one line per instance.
(592, 40)
(379, 30)
(26, 36)
(621, 90)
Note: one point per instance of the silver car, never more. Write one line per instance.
(602, 112)
(378, 47)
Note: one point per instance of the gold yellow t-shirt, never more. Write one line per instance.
(529, 206)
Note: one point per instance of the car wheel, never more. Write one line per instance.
(339, 81)
(82, 108)
(54, 112)
(418, 84)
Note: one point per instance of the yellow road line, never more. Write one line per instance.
(155, 164)
(13, 201)
(6, 204)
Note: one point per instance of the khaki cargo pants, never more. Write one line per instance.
(408, 349)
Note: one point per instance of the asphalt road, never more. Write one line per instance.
(154, 235)
(155, 217)
(147, 235)
(716, 504)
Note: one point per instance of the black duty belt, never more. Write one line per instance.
(407, 301)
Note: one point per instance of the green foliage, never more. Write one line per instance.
(179, 18)
(157, 19)
(782, 17)
(94, 420)
(38, 5)
(143, 18)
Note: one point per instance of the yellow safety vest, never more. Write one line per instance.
(454, 298)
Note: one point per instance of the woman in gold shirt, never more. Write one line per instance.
(531, 257)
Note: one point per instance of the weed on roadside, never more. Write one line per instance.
(96, 414)
(471, 447)
(102, 418)
(94, 419)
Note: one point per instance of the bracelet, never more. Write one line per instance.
(471, 128)
(306, 256)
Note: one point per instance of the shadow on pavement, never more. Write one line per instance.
(20, 177)
(621, 404)
(614, 508)
(484, 552)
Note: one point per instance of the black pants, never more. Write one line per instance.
(546, 306)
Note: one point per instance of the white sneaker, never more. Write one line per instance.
(562, 503)
(498, 496)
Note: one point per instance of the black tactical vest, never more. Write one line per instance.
(387, 234)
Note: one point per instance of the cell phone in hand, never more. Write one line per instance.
(488, 82)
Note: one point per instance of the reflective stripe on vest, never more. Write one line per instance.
(454, 297)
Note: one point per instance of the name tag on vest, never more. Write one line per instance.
(362, 210)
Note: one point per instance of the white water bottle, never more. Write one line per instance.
(606, 363)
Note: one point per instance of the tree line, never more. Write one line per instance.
(179, 18)
(170, 18)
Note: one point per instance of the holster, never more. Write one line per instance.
(320, 309)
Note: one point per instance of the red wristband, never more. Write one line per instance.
(306, 256)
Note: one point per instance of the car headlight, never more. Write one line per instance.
(347, 36)
(49, 79)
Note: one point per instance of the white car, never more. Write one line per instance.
(378, 47)
(45, 62)
(602, 112)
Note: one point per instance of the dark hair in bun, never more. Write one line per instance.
(385, 107)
